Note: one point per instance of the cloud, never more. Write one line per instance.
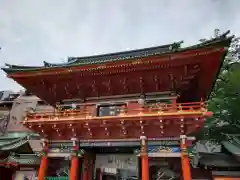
(34, 31)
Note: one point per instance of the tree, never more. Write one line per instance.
(225, 99)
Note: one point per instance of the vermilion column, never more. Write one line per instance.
(144, 158)
(186, 168)
(75, 161)
(74, 168)
(44, 161)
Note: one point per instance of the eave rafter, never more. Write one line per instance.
(123, 128)
(104, 127)
(157, 82)
(119, 67)
(95, 88)
(119, 128)
(109, 86)
(156, 67)
(125, 84)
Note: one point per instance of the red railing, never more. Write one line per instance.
(90, 111)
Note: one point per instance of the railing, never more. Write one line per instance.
(85, 112)
(57, 178)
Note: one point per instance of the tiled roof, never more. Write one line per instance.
(218, 160)
(12, 141)
(22, 159)
(127, 55)
(232, 147)
(232, 144)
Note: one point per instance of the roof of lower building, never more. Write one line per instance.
(233, 144)
(22, 159)
(218, 160)
(12, 141)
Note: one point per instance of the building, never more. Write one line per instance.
(20, 148)
(215, 161)
(139, 107)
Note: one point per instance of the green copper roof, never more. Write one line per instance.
(220, 41)
(218, 160)
(12, 141)
(232, 144)
(232, 147)
(23, 159)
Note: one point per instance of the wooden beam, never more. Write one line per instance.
(125, 85)
(141, 82)
(156, 80)
(94, 87)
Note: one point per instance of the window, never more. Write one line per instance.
(109, 110)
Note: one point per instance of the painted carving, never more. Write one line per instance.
(162, 149)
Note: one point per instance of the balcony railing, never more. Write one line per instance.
(132, 109)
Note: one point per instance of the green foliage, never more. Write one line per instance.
(224, 101)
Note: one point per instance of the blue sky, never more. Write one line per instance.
(32, 31)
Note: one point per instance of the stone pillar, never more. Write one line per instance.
(44, 161)
(186, 167)
(144, 158)
(75, 161)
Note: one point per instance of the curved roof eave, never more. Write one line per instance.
(89, 59)
(74, 60)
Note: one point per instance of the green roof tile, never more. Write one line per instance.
(23, 159)
(15, 140)
(232, 147)
(218, 160)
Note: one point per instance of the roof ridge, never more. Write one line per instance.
(73, 60)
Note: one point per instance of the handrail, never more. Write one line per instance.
(124, 110)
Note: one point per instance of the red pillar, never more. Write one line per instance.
(75, 161)
(44, 161)
(144, 158)
(74, 168)
(186, 167)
